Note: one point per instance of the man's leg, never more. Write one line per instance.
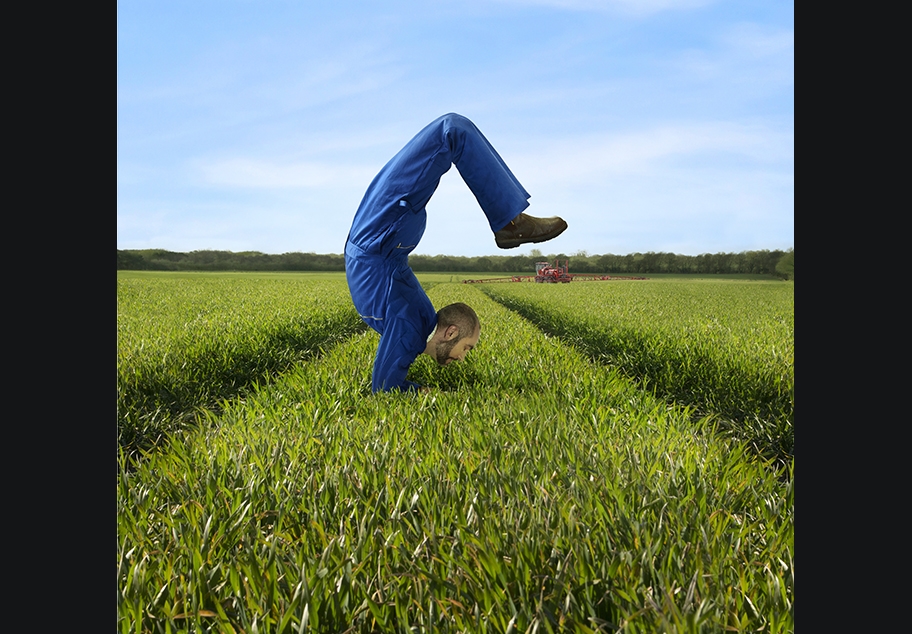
(499, 193)
(411, 177)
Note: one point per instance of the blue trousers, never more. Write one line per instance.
(392, 216)
(390, 222)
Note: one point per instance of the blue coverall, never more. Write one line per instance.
(391, 220)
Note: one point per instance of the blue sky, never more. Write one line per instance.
(651, 125)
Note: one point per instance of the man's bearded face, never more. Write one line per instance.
(443, 349)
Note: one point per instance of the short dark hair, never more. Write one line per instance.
(460, 315)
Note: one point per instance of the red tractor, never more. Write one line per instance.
(546, 273)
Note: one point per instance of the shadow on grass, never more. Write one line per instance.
(156, 403)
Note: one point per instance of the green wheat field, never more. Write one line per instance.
(614, 456)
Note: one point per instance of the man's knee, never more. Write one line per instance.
(457, 129)
(457, 122)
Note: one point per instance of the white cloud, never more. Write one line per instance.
(632, 7)
(758, 41)
(259, 174)
(269, 225)
(749, 56)
(580, 160)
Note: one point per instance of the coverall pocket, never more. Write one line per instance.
(406, 232)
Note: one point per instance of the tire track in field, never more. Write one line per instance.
(153, 408)
(769, 435)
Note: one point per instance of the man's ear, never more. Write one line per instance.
(451, 332)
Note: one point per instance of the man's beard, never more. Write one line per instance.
(442, 350)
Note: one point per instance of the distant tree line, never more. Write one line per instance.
(161, 260)
(777, 263)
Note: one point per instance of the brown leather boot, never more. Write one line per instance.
(524, 228)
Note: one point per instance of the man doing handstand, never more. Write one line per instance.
(389, 224)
